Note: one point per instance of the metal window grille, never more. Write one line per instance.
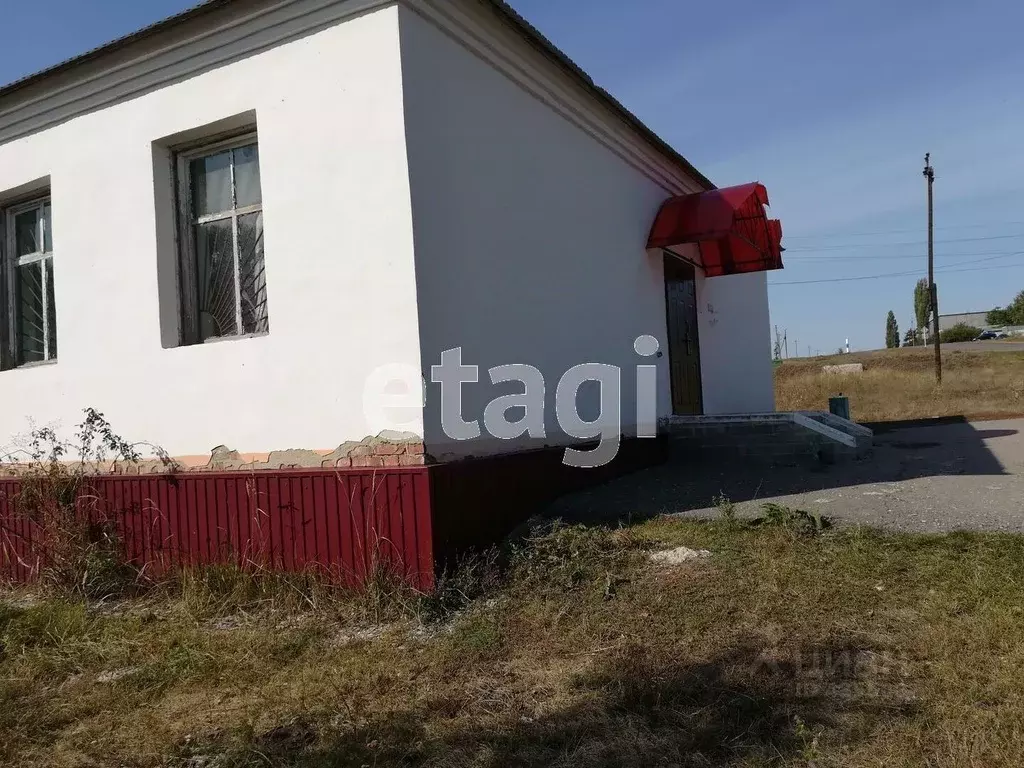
(31, 318)
(222, 268)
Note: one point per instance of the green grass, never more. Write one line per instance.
(791, 646)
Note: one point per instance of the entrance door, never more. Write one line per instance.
(683, 345)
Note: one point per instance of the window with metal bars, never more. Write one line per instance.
(30, 328)
(222, 277)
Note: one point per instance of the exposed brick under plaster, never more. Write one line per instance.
(388, 449)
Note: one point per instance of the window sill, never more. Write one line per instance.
(27, 366)
(221, 340)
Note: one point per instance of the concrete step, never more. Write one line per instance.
(863, 436)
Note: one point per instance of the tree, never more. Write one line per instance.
(922, 305)
(1016, 310)
(999, 316)
(911, 337)
(1012, 315)
(892, 331)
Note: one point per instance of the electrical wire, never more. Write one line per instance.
(894, 274)
(801, 259)
(902, 231)
(897, 245)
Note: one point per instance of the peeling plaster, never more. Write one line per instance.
(388, 449)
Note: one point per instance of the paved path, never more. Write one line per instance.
(931, 478)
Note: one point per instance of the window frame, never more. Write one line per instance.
(188, 298)
(12, 353)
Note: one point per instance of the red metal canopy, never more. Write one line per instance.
(728, 225)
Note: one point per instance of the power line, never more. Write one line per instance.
(987, 258)
(897, 245)
(835, 259)
(895, 274)
(901, 231)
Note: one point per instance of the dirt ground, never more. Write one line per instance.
(942, 477)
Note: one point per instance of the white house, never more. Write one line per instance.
(231, 227)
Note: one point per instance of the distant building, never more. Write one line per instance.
(975, 319)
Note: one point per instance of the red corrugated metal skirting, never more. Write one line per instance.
(342, 523)
(729, 226)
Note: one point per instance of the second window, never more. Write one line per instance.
(223, 280)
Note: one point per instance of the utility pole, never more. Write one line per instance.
(933, 290)
(785, 342)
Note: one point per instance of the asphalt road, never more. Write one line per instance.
(961, 476)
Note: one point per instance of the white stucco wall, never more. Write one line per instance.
(735, 344)
(338, 243)
(530, 240)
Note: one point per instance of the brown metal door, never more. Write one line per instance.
(683, 345)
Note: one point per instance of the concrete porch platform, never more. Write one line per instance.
(786, 439)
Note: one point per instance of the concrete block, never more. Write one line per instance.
(843, 369)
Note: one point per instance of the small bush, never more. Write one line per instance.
(471, 577)
(77, 539)
(563, 558)
(726, 509)
(958, 333)
(796, 520)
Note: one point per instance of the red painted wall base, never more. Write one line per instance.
(342, 522)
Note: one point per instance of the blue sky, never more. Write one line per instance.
(831, 105)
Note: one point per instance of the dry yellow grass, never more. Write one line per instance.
(851, 648)
(900, 384)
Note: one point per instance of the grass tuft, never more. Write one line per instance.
(559, 558)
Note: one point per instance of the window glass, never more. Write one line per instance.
(223, 278)
(31, 338)
(26, 232)
(215, 269)
(47, 228)
(251, 274)
(51, 311)
(211, 184)
(247, 176)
